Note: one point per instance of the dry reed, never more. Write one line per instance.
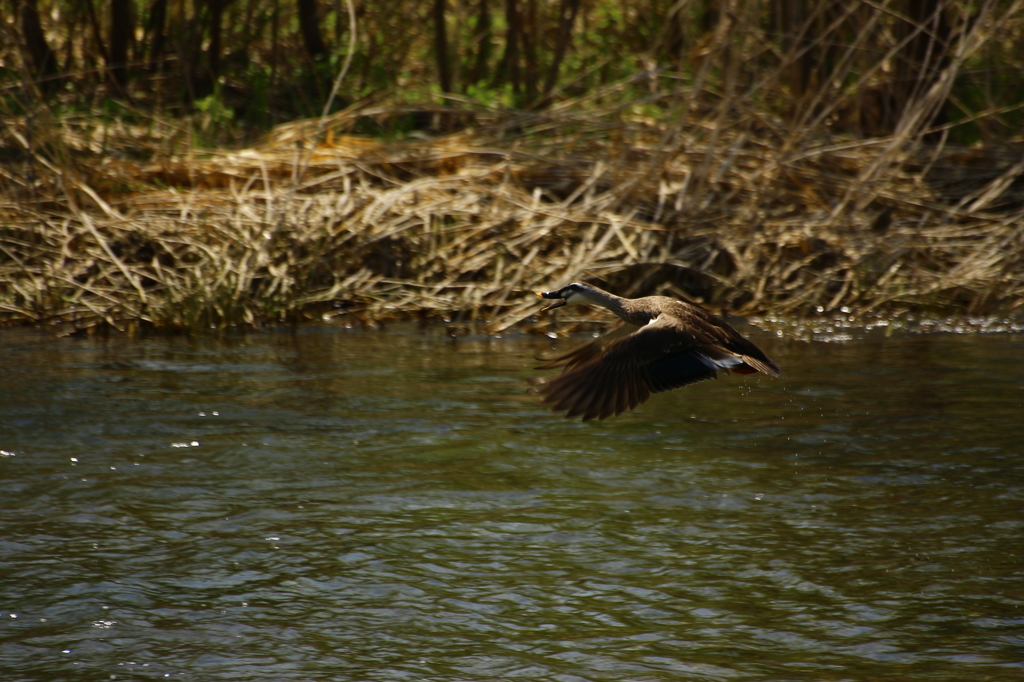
(462, 227)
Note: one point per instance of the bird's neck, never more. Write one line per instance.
(626, 309)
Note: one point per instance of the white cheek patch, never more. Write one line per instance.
(653, 320)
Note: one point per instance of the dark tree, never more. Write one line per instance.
(483, 42)
(156, 36)
(566, 19)
(121, 29)
(926, 53)
(216, 12)
(444, 71)
(309, 25)
(790, 18)
(42, 59)
(508, 69)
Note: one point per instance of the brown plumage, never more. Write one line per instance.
(663, 344)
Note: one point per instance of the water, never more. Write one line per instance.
(343, 505)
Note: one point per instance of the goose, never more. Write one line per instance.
(663, 344)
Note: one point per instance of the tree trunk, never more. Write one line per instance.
(214, 50)
(155, 33)
(921, 60)
(566, 19)
(309, 24)
(444, 73)
(791, 22)
(121, 30)
(483, 42)
(529, 38)
(97, 36)
(42, 59)
(508, 70)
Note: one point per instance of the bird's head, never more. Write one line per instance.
(570, 294)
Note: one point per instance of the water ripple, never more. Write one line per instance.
(345, 512)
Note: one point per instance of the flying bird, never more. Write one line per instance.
(662, 344)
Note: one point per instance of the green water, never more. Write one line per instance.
(339, 505)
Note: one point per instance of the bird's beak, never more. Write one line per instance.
(551, 294)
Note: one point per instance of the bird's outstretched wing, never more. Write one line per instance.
(606, 380)
(723, 343)
(588, 351)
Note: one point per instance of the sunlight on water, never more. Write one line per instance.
(333, 504)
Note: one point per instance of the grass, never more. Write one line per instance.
(463, 227)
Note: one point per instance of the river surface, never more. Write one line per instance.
(343, 505)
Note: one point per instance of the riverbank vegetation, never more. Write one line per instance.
(217, 164)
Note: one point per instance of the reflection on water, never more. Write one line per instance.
(393, 506)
